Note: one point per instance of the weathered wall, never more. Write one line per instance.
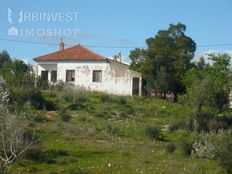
(116, 77)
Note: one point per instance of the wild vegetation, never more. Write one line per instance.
(62, 129)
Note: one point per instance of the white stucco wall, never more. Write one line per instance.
(116, 77)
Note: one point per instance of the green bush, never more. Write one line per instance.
(36, 99)
(170, 147)
(20, 96)
(176, 125)
(216, 124)
(126, 111)
(122, 100)
(208, 122)
(106, 98)
(153, 132)
(187, 145)
(220, 122)
(54, 153)
(64, 115)
(40, 118)
(82, 118)
(223, 150)
(76, 106)
(36, 154)
(50, 105)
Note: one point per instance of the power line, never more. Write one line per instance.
(102, 46)
(215, 45)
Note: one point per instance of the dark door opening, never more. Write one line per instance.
(44, 75)
(53, 76)
(135, 86)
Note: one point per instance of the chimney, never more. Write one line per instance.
(119, 57)
(61, 44)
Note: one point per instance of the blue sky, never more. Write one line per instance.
(121, 23)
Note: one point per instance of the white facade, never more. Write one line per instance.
(116, 77)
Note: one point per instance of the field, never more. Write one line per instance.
(95, 133)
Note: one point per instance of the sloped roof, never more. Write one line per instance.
(75, 53)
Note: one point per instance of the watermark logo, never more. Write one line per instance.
(10, 20)
(17, 19)
(13, 31)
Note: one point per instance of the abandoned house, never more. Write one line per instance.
(91, 71)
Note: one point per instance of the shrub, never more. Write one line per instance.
(64, 115)
(203, 121)
(122, 100)
(50, 105)
(103, 114)
(153, 132)
(82, 118)
(203, 146)
(187, 145)
(36, 99)
(176, 125)
(20, 96)
(126, 111)
(223, 151)
(170, 148)
(216, 124)
(56, 153)
(105, 98)
(40, 118)
(35, 154)
(76, 106)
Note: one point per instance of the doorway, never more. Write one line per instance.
(135, 86)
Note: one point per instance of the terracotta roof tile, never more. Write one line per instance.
(75, 53)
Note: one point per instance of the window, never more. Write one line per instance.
(70, 75)
(97, 75)
(44, 75)
(53, 76)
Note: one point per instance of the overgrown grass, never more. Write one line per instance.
(111, 134)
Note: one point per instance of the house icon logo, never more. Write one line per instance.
(13, 31)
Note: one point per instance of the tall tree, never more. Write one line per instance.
(4, 57)
(137, 56)
(166, 59)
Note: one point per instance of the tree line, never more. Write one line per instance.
(167, 66)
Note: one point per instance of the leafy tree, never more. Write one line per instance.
(221, 76)
(137, 57)
(199, 93)
(4, 57)
(209, 84)
(16, 73)
(166, 60)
